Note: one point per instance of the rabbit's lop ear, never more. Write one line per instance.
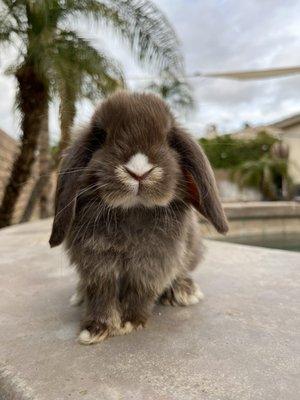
(74, 161)
(201, 184)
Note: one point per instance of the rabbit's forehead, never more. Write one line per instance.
(129, 115)
(137, 131)
(136, 122)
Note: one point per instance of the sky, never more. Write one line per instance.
(215, 36)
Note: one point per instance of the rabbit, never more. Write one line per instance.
(127, 201)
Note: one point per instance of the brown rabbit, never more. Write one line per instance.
(125, 207)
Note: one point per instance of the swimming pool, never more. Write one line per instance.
(284, 241)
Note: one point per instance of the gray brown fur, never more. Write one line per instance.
(128, 256)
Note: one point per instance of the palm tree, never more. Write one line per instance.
(44, 168)
(94, 75)
(175, 91)
(268, 174)
(39, 31)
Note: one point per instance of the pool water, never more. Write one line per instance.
(274, 241)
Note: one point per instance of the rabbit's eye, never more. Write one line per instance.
(98, 136)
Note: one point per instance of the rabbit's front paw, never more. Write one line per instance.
(182, 292)
(94, 332)
(128, 327)
(124, 329)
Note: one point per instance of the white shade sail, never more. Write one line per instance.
(248, 75)
(236, 75)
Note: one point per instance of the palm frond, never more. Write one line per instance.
(6, 30)
(82, 68)
(10, 24)
(138, 22)
(14, 11)
(151, 37)
(262, 174)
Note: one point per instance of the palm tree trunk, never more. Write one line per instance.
(45, 169)
(41, 190)
(33, 103)
(67, 112)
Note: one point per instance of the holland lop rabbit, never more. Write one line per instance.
(126, 202)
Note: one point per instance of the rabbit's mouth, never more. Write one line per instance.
(137, 182)
(134, 192)
(137, 176)
(131, 200)
(138, 172)
(143, 190)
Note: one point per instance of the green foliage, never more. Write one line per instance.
(82, 70)
(68, 63)
(226, 152)
(266, 174)
(70, 66)
(250, 163)
(52, 58)
(39, 29)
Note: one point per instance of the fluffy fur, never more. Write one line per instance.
(126, 202)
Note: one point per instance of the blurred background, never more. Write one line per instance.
(230, 70)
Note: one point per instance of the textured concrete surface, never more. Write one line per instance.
(241, 342)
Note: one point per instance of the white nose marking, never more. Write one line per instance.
(139, 164)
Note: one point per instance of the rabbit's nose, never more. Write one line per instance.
(138, 177)
(138, 167)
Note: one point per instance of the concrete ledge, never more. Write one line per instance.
(261, 209)
(241, 342)
(259, 219)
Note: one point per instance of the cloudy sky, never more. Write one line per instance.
(216, 35)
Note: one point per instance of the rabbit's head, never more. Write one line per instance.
(133, 154)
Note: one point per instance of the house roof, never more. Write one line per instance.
(251, 131)
(7, 142)
(6, 137)
(276, 128)
(287, 122)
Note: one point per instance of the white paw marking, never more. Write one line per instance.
(76, 299)
(125, 329)
(128, 327)
(139, 164)
(85, 337)
(185, 299)
(191, 299)
(198, 292)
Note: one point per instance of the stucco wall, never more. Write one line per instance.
(291, 137)
(229, 191)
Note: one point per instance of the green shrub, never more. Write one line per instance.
(251, 163)
(226, 152)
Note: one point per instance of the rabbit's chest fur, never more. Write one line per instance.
(125, 230)
(147, 241)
